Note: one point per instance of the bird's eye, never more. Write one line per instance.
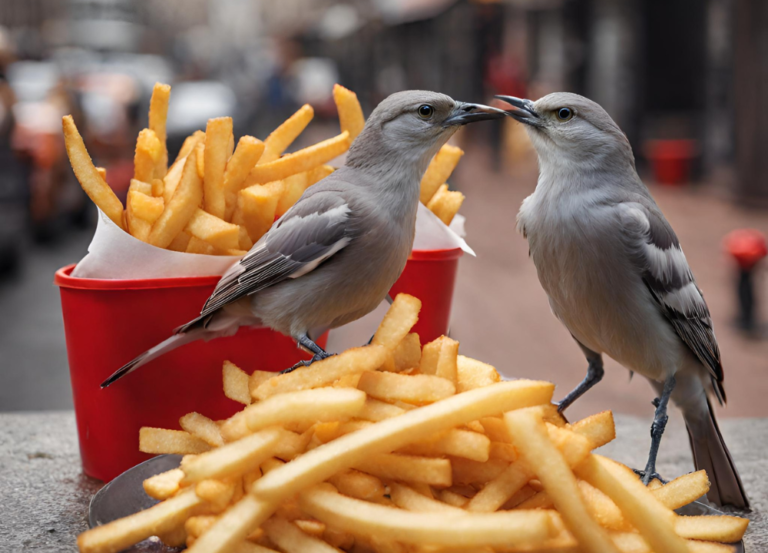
(425, 111)
(564, 114)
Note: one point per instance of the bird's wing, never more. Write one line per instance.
(314, 229)
(656, 252)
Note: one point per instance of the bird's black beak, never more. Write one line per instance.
(469, 113)
(525, 112)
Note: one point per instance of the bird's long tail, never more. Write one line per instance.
(163, 347)
(711, 454)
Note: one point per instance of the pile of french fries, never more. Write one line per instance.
(395, 447)
(218, 199)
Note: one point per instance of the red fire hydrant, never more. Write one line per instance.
(747, 247)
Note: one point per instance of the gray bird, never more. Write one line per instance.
(333, 257)
(617, 277)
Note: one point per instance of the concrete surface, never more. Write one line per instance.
(44, 497)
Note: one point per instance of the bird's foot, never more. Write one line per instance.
(308, 362)
(647, 476)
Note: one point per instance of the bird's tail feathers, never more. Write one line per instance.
(711, 454)
(163, 347)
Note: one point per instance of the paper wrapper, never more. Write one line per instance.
(115, 254)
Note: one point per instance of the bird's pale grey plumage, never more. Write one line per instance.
(615, 272)
(334, 255)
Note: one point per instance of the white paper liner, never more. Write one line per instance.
(115, 254)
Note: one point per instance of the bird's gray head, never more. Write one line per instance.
(571, 130)
(407, 129)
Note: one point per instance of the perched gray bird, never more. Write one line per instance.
(617, 277)
(333, 257)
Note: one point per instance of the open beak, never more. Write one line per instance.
(469, 113)
(525, 112)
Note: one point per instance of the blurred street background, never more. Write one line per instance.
(685, 80)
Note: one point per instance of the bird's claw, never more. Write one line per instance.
(307, 362)
(647, 477)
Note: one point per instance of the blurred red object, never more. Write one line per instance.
(747, 246)
(671, 159)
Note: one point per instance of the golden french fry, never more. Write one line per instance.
(172, 179)
(300, 161)
(308, 406)
(236, 383)
(258, 378)
(495, 429)
(182, 206)
(137, 226)
(190, 143)
(195, 245)
(724, 528)
(455, 442)
(351, 115)
(473, 374)
(407, 354)
(289, 538)
(358, 484)
(148, 208)
(430, 354)
(313, 528)
(160, 440)
(163, 485)
(439, 170)
(446, 361)
(410, 500)
(407, 468)
(419, 389)
(601, 507)
(158, 187)
(531, 438)
(213, 230)
(216, 492)
(452, 498)
(202, 427)
(683, 489)
(284, 135)
(375, 410)
(147, 156)
(324, 461)
(502, 451)
(318, 173)
(234, 459)
(180, 243)
(640, 508)
(466, 471)
(257, 206)
(598, 429)
(158, 114)
(292, 445)
(196, 526)
(218, 133)
(446, 204)
(293, 187)
(397, 323)
(248, 152)
(634, 543)
(325, 372)
(122, 533)
(454, 529)
(90, 180)
(102, 172)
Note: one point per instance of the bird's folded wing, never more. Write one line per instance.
(656, 252)
(314, 229)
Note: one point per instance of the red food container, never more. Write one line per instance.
(108, 322)
(430, 275)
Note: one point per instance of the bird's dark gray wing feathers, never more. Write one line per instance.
(665, 272)
(313, 230)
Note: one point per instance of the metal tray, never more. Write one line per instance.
(125, 496)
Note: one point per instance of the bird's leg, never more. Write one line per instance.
(657, 429)
(594, 375)
(307, 343)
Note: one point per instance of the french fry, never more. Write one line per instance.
(200, 151)
(195, 245)
(417, 389)
(164, 485)
(531, 438)
(257, 206)
(398, 321)
(148, 208)
(439, 170)
(683, 489)
(180, 243)
(305, 406)
(446, 361)
(452, 498)
(466, 471)
(454, 529)
(407, 354)
(323, 373)
(138, 227)
(158, 187)
(292, 444)
(102, 172)
(172, 179)
(375, 410)
(410, 500)
(122, 533)
(248, 152)
(473, 374)
(160, 440)
(243, 240)
(218, 133)
(455, 442)
(502, 451)
(284, 135)
(213, 230)
(446, 204)
(598, 429)
(300, 161)
(216, 492)
(652, 519)
(182, 206)
(196, 526)
(256, 379)
(407, 468)
(144, 188)
(202, 427)
(358, 484)
(234, 459)
(313, 528)
(725, 529)
(351, 116)
(147, 155)
(158, 113)
(634, 543)
(92, 183)
(602, 509)
(293, 187)
(325, 432)
(495, 429)
(190, 143)
(289, 538)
